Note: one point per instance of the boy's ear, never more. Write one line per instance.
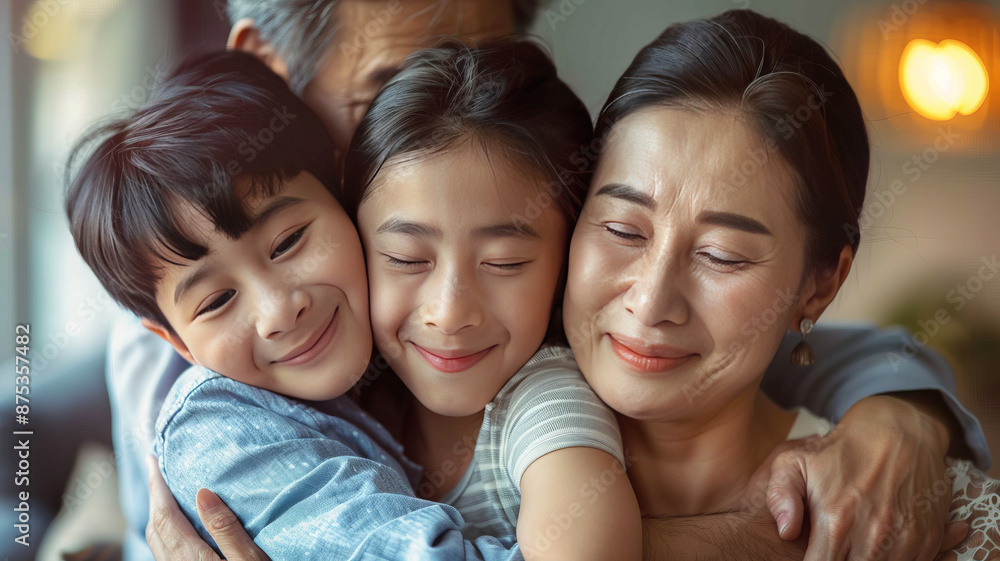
(245, 37)
(169, 337)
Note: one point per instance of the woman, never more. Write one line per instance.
(589, 318)
(674, 267)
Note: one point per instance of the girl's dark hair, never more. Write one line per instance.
(219, 117)
(791, 91)
(505, 95)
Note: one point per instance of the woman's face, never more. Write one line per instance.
(685, 267)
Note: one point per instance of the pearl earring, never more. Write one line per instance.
(803, 354)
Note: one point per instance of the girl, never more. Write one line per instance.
(463, 173)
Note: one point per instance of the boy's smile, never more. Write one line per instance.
(285, 306)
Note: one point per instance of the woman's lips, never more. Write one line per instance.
(451, 361)
(643, 358)
(310, 350)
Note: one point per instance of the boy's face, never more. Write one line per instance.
(285, 306)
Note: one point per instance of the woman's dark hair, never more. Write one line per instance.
(790, 90)
(218, 118)
(505, 95)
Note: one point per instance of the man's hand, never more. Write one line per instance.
(875, 486)
(172, 537)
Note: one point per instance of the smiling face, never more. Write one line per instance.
(461, 290)
(285, 306)
(683, 281)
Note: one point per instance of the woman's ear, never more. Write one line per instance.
(245, 37)
(169, 337)
(821, 288)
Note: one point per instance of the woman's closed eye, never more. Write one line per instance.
(623, 231)
(288, 243)
(724, 261)
(216, 302)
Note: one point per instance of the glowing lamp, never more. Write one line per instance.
(940, 80)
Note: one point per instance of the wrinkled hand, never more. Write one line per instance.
(876, 487)
(172, 537)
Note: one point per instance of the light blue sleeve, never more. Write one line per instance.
(303, 484)
(855, 361)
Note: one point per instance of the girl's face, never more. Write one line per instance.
(463, 266)
(685, 268)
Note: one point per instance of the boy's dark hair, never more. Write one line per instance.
(219, 117)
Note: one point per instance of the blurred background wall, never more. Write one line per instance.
(931, 224)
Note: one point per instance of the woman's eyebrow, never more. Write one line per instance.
(628, 193)
(734, 221)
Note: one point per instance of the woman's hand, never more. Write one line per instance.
(172, 537)
(876, 486)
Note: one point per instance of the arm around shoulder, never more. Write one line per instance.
(299, 481)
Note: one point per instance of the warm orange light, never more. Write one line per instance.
(940, 80)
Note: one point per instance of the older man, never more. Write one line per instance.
(336, 54)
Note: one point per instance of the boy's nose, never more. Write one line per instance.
(280, 312)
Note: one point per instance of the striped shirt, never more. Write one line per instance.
(546, 406)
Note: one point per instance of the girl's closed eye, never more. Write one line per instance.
(285, 245)
(508, 268)
(403, 263)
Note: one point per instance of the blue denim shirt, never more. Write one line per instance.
(308, 481)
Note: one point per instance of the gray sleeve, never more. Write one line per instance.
(552, 410)
(855, 361)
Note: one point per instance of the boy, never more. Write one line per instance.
(212, 213)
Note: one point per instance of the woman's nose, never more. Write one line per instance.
(656, 293)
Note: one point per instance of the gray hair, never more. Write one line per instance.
(301, 30)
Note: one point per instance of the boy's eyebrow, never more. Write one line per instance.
(274, 206)
(190, 280)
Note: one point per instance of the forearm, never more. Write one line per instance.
(856, 362)
(727, 536)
